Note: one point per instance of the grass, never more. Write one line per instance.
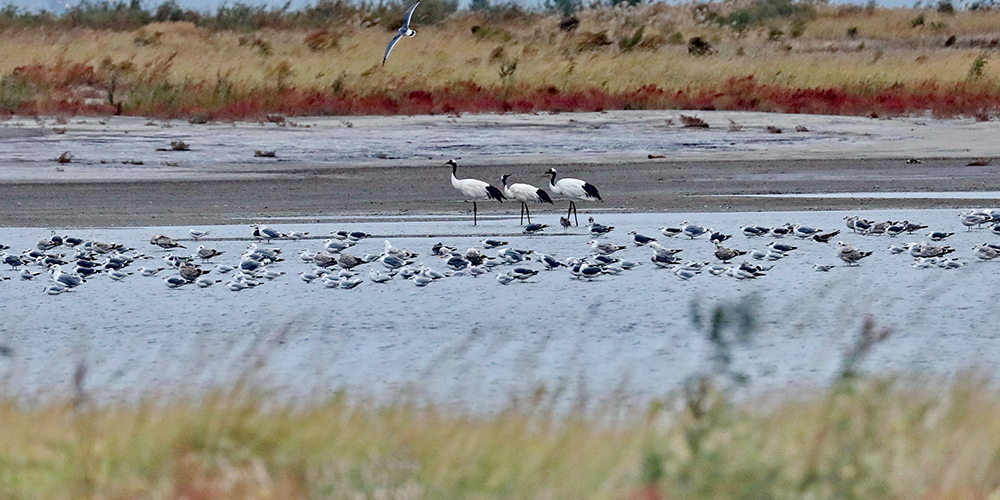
(839, 60)
(863, 439)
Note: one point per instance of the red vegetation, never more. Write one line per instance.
(80, 89)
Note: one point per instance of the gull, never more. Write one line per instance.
(197, 233)
(670, 232)
(726, 254)
(685, 273)
(524, 193)
(781, 232)
(474, 189)
(550, 262)
(598, 229)
(205, 282)
(392, 262)
(628, 264)
(758, 254)
(718, 237)
(65, 279)
(377, 277)
(28, 275)
(331, 281)
(398, 252)
(264, 232)
(521, 273)
(751, 231)
(163, 241)
(421, 280)
(574, 189)
(950, 264)
(457, 263)
(938, 235)
(663, 251)
(985, 252)
(270, 275)
(781, 247)
(296, 235)
(970, 219)
(118, 275)
(350, 283)
(404, 30)
(564, 222)
(347, 261)
(492, 243)
(12, 260)
(805, 231)
(896, 229)
(190, 272)
(306, 255)
(441, 249)
(174, 281)
(589, 271)
(825, 237)
(510, 255)
(207, 253)
(239, 285)
(55, 289)
(717, 269)
(504, 279)
(604, 248)
(823, 268)
(878, 228)
(693, 230)
(897, 249)
(534, 228)
(335, 246)
(639, 239)
(773, 255)
(849, 254)
(924, 249)
(924, 262)
(309, 276)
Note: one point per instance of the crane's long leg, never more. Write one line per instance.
(526, 212)
(522, 213)
(572, 208)
(473, 212)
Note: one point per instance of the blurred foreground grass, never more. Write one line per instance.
(860, 439)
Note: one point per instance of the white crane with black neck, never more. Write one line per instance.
(524, 193)
(474, 189)
(574, 189)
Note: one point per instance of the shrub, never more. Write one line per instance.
(626, 44)
(698, 47)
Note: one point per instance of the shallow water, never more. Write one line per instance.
(473, 343)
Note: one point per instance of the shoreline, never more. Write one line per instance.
(315, 192)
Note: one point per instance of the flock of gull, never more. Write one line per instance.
(68, 262)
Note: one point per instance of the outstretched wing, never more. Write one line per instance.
(409, 14)
(388, 48)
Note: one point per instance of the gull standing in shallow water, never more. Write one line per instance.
(404, 30)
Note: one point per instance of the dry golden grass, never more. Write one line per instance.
(861, 439)
(885, 51)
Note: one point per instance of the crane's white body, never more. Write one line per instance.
(574, 189)
(474, 189)
(524, 193)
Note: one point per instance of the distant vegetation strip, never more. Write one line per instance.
(248, 62)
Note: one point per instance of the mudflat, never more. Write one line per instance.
(314, 191)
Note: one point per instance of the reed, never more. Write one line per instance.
(865, 439)
(876, 59)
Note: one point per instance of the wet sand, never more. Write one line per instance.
(312, 192)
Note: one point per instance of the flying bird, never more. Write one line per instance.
(403, 30)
